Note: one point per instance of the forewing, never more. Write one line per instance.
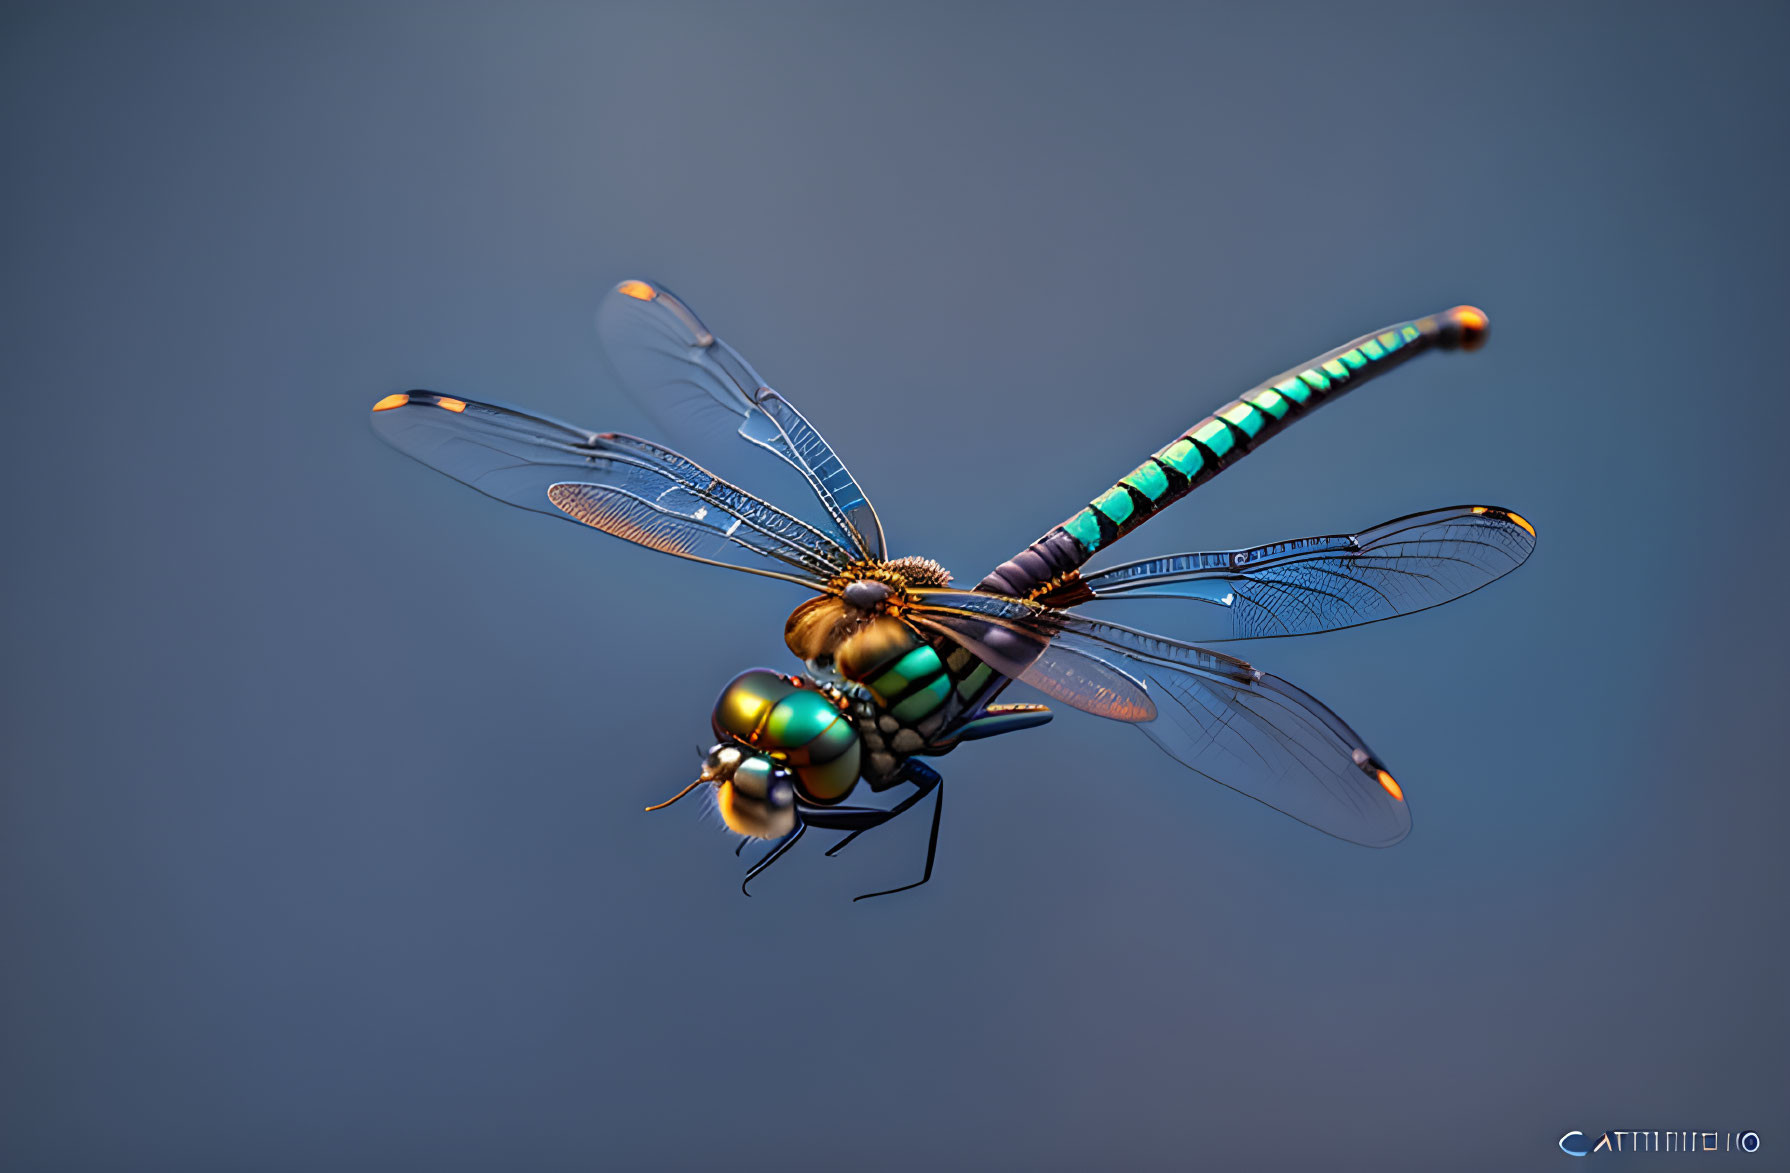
(707, 398)
(1215, 714)
(1325, 583)
(618, 484)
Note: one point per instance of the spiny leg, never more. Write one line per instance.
(932, 845)
(773, 855)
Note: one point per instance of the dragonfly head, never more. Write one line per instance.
(754, 793)
(781, 739)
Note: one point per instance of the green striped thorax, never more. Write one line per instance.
(880, 694)
(904, 687)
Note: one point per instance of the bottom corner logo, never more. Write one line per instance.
(1577, 1144)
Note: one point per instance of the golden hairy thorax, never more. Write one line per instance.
(856, 625)
(856, 632)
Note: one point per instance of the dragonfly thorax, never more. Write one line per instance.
(856, 600)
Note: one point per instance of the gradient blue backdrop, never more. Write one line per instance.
(321, 843)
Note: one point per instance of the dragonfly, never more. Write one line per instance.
(899, 665)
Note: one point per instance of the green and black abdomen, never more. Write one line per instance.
(1215, 443)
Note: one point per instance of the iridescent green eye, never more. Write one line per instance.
(796, 728)
(829, 781)
(796, 720)
(746, 701)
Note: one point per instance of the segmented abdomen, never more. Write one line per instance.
(1219, 440)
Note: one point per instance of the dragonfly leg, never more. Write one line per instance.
(932, 845)
(845, 818)
(773, 855)
(840, 846)
(922, 776)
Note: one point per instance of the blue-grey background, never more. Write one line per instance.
(321, 844)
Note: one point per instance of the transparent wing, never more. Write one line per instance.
(703, 394)
(618, 484)
(1326, 583)
(1016, 639)
(1213, 713)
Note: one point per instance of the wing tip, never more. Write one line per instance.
(1511, 516)
(1376, 770)
(420, 399)
(613, 309)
